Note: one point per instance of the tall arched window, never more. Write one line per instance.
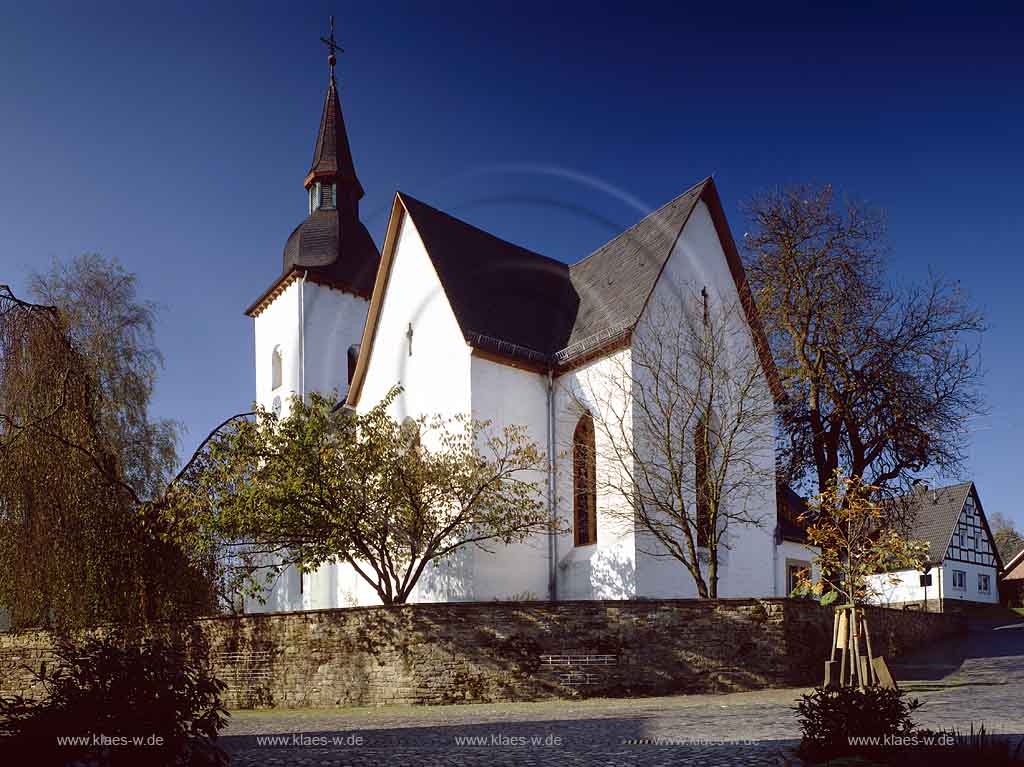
(701, 458)
(584, 482)
(275, 368)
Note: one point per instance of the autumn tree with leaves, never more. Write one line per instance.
(854, 541)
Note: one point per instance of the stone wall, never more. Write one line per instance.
(480, 652)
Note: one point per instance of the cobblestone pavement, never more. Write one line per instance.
(979, 678)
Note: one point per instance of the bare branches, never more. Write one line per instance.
(683, 426)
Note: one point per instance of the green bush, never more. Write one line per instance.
(126, 702)
(846, 721)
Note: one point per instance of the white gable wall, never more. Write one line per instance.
(436, 377)
(748, 562)
(607, 569)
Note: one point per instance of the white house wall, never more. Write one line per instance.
(971, 593)
(607, 569)
(748, 562)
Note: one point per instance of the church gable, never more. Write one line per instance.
(411, 335)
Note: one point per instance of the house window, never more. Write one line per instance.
(584, 481)
(275, 368)
(984, 584)
(960, 580)
(701, 452)
(793, 572)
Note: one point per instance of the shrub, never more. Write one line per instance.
(954, 749)
(126, 702)
(830, 717)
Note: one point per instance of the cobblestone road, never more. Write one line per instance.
(980, 677)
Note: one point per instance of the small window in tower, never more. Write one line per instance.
(328, 192)
(275, 368)
(312, 199)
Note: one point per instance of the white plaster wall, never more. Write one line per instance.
(747, 558)
(971, 593)
(505, 396)
(334, 322)
(436, 377)
(278, 326)
(902, 586)
(607, 569)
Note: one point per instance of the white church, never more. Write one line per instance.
(469, 323)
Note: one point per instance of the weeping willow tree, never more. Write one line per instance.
(78, 545)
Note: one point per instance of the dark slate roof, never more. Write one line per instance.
(615, 281)
(500, 293)
(332, 155)
(336, 247)
(330, 247)
(934, 513)
(523, 304)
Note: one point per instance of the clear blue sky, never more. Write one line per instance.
(176, 139)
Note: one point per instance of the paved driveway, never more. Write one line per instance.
(979, 678)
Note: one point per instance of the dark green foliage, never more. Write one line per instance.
(956, 749)
(830, 717)
(120, 688)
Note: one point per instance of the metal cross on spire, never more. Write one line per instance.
(333, 47)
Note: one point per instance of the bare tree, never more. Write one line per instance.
(683, 433)
(881, 380)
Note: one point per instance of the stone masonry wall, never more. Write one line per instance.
(485, 652)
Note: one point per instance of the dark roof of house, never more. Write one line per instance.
(934, 513)
(332, 155)
(521, 303)
(615, 281)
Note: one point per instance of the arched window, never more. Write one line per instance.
(702, 478)
(584, 482)
(275, 368)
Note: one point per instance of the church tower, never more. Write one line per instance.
(314, 312)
